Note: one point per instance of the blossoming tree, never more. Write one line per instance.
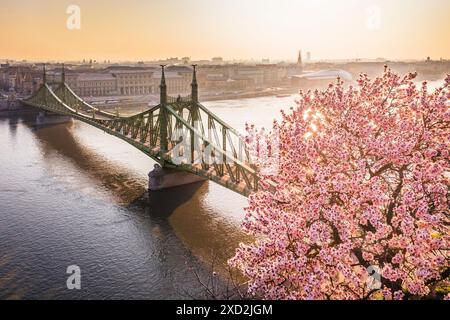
(361, 208)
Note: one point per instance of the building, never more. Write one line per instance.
(319, 78)
(141, 79)
(224, 83)
(22, 79)
(271, 74)
(94, 85)
(217, 60)
(255, 73)
(133, 80)
(178, 80)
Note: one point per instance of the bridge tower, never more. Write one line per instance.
(194, 109)
(46, 117)
(163, 114)
(163, 87)
(63, 74)
(63, 81)
(194, 84)
(44, 76)
(163, 176)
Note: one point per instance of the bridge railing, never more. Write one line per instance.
(171, 99)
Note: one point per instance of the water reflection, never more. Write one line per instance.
(82, 199)
(193, 223)
(57, 141)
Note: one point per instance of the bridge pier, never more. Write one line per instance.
(162, 178)
(44, 118)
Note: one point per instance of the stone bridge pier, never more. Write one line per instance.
(162, 178)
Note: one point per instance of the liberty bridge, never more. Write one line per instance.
(188, 142)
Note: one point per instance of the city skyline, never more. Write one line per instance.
(152, 30)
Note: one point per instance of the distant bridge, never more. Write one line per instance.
(179, 133)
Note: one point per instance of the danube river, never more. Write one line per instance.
(72, 195)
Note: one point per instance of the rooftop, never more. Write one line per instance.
(95, 76)
(168, 75)
(326, 74)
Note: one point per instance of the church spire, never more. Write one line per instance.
(300, 61)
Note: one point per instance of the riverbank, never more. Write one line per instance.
(247, 95)
(8, 107)
(110, 103)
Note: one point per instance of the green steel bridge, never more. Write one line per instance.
(178, 133)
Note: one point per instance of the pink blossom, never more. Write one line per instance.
(363, 180)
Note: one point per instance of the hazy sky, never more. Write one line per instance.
(241, 29)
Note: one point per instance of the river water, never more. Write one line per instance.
(72, 195)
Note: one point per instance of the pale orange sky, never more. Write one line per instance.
(240, 29)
